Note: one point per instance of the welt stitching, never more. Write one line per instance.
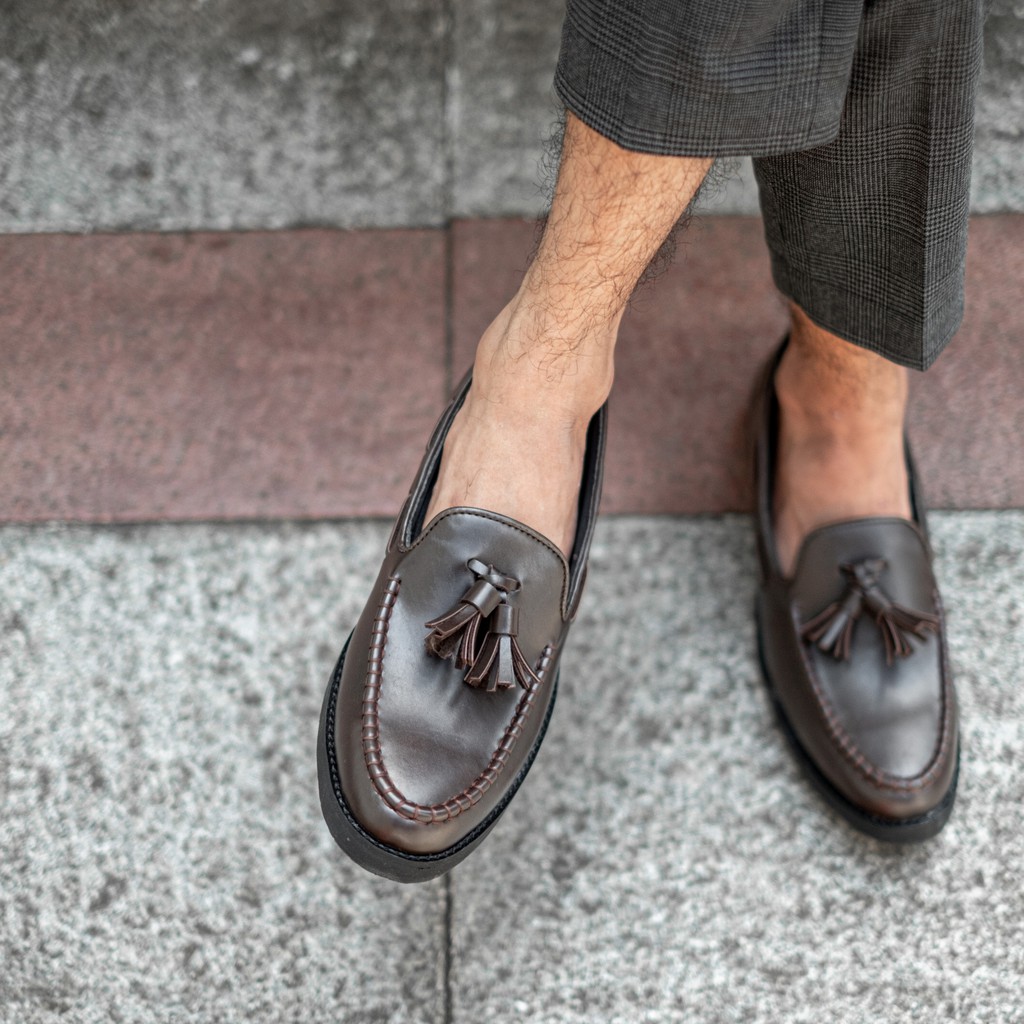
(429, 814)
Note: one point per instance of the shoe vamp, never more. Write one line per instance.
(438, 733)
(891, 713)
(435, 740)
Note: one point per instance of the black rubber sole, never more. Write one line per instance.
(890, 830)
(368, 851)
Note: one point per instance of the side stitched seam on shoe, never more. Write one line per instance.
(850, 750)
(429, 814)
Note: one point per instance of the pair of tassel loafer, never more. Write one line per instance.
(445, 688)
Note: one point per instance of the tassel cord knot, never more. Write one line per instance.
(831, 630)
(496, 662)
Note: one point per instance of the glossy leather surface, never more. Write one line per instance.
(407, 722)
(883, 734)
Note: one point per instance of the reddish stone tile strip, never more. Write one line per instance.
(297, 373)
(692, 344)
(217, 376)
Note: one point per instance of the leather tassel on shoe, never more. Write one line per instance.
(500, 663)
(896, 622)
(457, 631)
(832, 629)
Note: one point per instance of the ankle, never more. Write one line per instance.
(840, 448)
(833, 394)
(526, 357)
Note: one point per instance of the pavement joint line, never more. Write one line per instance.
(449, 952)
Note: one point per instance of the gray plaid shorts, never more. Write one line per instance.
(859, 115)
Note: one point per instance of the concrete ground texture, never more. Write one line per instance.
(163, 859)
(246, 248)
(228, 114)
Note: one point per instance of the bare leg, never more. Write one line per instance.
(545, 365)
(840, 451)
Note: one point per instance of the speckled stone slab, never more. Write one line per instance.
(217, 114)
(234, 114)
(162, 853)
(162, 856)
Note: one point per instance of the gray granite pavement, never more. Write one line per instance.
(162, 856)
(216, 114)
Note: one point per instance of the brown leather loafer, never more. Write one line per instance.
(444, 690)
(853, 651)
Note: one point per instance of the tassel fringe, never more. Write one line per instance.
(832, 629)
(496, 663)
(500, 663)
(455, 632)
(896, 622)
